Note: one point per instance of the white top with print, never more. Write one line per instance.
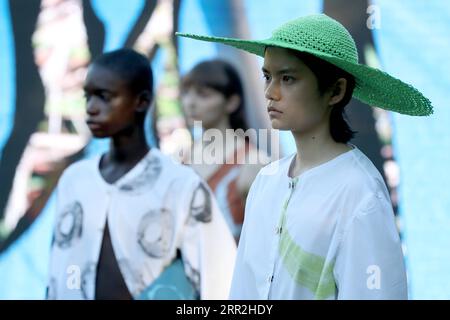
(153, 210)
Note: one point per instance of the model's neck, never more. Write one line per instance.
(315, 148)
(128, 148)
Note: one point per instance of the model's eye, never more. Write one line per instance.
(104, 96)
(204, 93)
(288, 79)
(266, 77)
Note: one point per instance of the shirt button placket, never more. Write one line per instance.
(273, 255)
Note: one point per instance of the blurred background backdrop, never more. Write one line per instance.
(46, 46)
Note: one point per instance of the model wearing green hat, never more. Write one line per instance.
(319, 224)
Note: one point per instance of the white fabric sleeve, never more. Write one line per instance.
(369, 262)
(207, 246)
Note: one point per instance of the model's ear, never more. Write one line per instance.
(338, 91)
(233, 103)
(144, 100)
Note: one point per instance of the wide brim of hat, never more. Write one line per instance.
(373, 86)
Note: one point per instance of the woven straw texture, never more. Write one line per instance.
(327, 39)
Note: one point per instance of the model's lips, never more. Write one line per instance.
(195, 117)
(272, 109)
(273, 112)
(93, 125)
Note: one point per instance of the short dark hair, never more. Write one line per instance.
(221, 76)
(131, 66)
(327, 74)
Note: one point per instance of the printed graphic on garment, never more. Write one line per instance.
(69, 226)
(155, 232)
(200, 208)
(88, 281)
(193, 276)
(145, 180)
(307, 269)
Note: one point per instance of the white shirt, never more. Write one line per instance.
(157, 207)
(329, 233)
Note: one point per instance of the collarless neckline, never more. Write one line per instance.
(320, 166)
(151, 153)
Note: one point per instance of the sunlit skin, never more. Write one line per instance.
(112, 111)
(294, 103)
(110, 105)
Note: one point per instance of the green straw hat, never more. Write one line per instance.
(328, 40)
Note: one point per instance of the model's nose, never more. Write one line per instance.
(92, 107)
(272, 91)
